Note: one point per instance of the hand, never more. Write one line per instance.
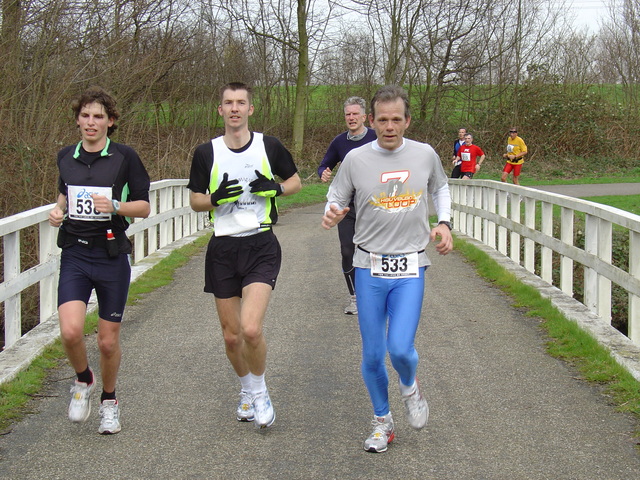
(326, 175)
(477, 167)
(56, 216)
(265, 187)
(102, 204)
(333, 216)
(228, 191)
(446, 240)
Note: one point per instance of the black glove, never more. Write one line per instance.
(265, 187)
(228, 191)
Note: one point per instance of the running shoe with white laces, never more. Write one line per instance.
(382, 435)
(352, 308)
(264, 414)
(109, 417)
(80, 404)
(417, 408)
(245, 410)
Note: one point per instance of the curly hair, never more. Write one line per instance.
(99, 95)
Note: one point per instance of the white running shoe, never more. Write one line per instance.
(382, 435)
(109, 417)
(352, 308)
(80, 405)
(245, 410)
(417, 408)
(263, 410)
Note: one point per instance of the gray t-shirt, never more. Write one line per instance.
(391, 190)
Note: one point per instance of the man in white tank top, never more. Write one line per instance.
(232, 177)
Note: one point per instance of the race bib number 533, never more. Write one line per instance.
(81, 205)
(394, 266)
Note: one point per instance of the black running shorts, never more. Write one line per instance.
(232, 263)
(83, 269)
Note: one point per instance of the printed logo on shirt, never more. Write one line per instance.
(394, 199)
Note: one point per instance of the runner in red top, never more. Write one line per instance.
(471, 156)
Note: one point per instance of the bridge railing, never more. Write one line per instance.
(551, 234)
(170, 220)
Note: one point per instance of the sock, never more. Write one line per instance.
(245, 383)
(257, 383)
(107, 396)
(406, 391)
(86, 376)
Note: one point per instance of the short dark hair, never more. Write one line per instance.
(233, 86)
(390, 93)
(99, 95)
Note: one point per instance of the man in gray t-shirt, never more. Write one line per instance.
(390, 180)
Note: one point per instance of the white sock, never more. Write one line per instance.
(258, 384)
(245, 383)
(406, 391)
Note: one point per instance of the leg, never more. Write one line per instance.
(241, 323)
(372, 299)
(229, 315)
(346, 230)
(255, 301)
(405, 305)
(110, 353)
(72, 317)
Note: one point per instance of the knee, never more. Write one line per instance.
(372, 362)
(108, 345)
(232, 340)
(401, 354)
(252, 334)
(71, 334)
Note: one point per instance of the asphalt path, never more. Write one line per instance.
(501, 408)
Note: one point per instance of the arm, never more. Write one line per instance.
(135, 208)
(442, 201)
(291, 185)
(56, 215)
(480, 160)
(200, 202)
(333, 215)
(329, 161)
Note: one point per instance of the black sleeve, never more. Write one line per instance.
(201, 165)
(280, 158)
(62, 188)
(137, 177)
(331, 158)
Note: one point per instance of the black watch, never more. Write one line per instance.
(448, 224)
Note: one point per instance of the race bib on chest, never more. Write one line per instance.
(466, 157)
(81, 205)
(394, 266)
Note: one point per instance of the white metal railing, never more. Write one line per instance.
(171, 219)
(492, 213)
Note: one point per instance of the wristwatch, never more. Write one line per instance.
(448, 224)
(116, 205)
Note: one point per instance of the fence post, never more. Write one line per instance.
(12, 305)
(546, 254)
(634, 301)
(47, 246)
(566, 263)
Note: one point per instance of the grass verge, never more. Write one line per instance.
(566, 340)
